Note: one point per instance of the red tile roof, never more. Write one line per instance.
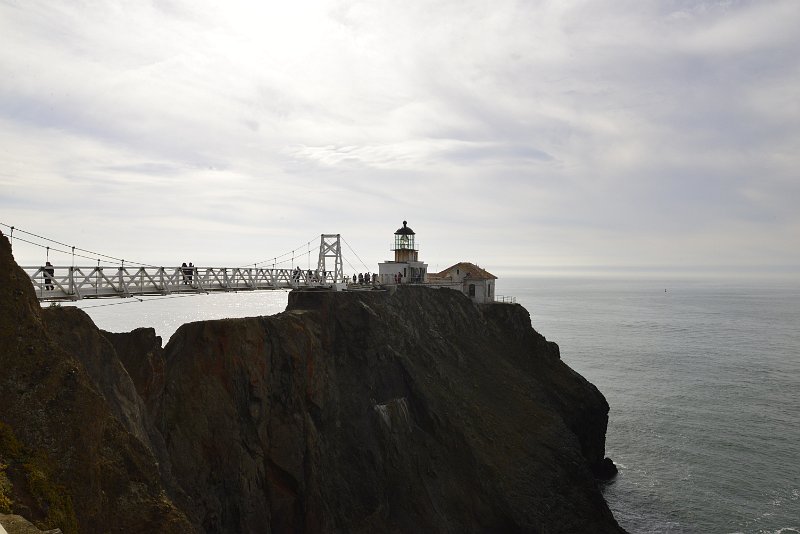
(473, 272)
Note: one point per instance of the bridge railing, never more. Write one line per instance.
(76, 282)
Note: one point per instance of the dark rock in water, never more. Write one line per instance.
(604, 470)
(403, 411)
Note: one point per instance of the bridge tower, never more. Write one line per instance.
(330, 246)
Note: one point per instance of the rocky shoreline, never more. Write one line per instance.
(375, 411)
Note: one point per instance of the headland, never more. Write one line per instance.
(410, 410)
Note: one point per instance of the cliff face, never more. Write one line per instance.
(403, 411)
(71, 441)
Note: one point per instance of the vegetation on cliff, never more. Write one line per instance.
(60, 435)
(27, 485)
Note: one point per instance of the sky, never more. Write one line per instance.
(624, 136)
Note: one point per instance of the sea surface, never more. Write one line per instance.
(703, 381)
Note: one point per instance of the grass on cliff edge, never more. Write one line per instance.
(27, 487)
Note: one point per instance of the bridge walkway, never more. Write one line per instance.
(54, 283)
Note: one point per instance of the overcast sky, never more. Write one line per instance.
(538, 136)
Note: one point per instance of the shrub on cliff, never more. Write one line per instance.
(28, 487)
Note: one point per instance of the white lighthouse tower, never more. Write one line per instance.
(406, 267)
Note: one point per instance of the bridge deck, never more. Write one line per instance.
(74, 283)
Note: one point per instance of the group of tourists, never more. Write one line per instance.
(365, 278)
(310, 276)
(188, 272)
(372, 278)
(297, 274)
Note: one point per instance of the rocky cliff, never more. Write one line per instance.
(379, 411)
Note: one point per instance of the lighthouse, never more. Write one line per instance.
(406, 267)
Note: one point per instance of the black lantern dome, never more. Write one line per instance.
(405, 230)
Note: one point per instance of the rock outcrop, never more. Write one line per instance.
(16, 524)
(72, 451)
(376, 411)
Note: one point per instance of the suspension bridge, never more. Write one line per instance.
(75, 282)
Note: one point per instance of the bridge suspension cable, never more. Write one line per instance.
(138, 300)
(306, 247)
(72, 247)
(356, 255)
(274, 260)
(348, 263)
(352, 267)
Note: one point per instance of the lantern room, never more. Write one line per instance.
(405, 250)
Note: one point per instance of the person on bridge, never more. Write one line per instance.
(191, 271)
(49, 272)
(185, 273)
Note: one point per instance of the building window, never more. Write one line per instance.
(472, 290)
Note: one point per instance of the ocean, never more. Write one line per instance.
(703, 381)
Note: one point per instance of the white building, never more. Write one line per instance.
(476, 283)
(406, 267)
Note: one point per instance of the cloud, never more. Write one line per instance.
(523, 131)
